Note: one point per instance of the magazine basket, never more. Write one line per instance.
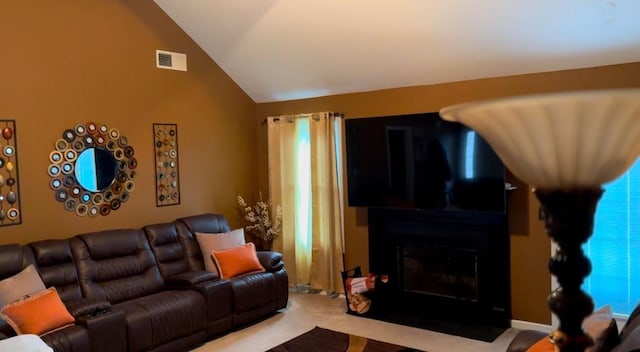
(371, 302)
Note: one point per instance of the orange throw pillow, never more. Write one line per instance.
(543, 345)
(237, 260)
(38, 314)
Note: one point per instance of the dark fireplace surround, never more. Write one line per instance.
(444, 267)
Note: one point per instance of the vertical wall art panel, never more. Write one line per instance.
(9, 186)
(165, 138)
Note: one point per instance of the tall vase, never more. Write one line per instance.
(262, 244)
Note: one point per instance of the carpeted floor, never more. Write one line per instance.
(325, 340)
(305, 311)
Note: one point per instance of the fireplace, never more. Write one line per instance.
(445, 267)
(439, 270)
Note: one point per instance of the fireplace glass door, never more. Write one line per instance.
(439, 270)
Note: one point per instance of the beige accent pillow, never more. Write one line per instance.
(596, 325)
(209, 242)
(24, 283)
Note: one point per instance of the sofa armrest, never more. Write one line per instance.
(190, 278)
(87, 307)
(271, 261)
(107, 331)
(524, 339)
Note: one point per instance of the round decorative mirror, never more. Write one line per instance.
(92, 169)
(95, 169)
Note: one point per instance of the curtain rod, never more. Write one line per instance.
(315, 116)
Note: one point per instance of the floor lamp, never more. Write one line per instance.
(566, 146)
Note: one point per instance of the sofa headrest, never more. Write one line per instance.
(56, 267)
(11, 260)
(166, 246)
(209, 223)
(161, 234)
(112, 243)
(51, 252)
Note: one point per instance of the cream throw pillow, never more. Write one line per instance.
(24, 283)
(596, 324)
(209, 242)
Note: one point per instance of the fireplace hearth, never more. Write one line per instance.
(445, 268)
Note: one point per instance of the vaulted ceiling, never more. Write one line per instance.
(290, 49)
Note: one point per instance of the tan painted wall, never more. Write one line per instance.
(73, 61)
(530, 248)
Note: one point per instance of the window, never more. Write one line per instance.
(303, 184)
(470, 149)
(614, 248)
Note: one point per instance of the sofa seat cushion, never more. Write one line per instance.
(70, 339)
(161, 317)
(252, 291)
(219, 297)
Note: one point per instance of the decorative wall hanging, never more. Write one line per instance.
(92, 169)
(165, 140)
(9, 186)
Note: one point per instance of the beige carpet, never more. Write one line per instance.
(305, 311)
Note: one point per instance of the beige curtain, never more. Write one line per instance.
(304, 176)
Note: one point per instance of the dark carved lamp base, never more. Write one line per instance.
(569, 217)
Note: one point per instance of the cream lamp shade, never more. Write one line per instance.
(559, 141)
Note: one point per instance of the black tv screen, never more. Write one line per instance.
(420, 161)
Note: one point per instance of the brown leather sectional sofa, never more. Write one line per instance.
(146, 289)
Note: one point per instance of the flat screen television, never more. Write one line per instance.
(421, 161)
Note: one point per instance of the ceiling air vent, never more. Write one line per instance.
(171, 61)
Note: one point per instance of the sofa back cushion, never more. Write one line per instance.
(167, 248)
(116, 265)
(56, 267)
(13, 258)
(188, 226)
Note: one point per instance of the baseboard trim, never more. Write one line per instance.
(528, 325)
